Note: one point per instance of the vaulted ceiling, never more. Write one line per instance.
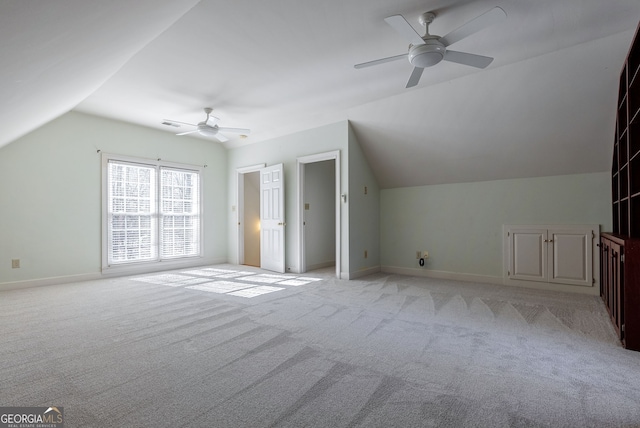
(545, 106)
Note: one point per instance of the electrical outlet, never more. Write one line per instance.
(418, 254)
(15, 263)
(425, 254)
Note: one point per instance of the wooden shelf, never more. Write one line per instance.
(625, 168)
(634, 140)
(620, 250)
(624, 182)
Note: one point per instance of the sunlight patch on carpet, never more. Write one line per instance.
(265, 278)
(293, 282)
(221, 287)
(228, 281)
(255, 291)
(170, 279)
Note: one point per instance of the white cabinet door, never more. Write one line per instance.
(552, 254)
(529, 254)
(572, 257)
(272, 218)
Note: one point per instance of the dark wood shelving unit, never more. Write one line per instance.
(619, 285)
(620, 250)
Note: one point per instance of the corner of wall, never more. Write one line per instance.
(364, 211)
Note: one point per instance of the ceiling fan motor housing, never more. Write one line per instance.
(428, 54)
(207, 130)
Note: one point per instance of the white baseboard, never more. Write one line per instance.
(467, 277)
(360, 273)
(41, 282)
(565, 288)
(137, 269)
(321, 265)
(486, 279)
(130, 270)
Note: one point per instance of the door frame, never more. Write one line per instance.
(300, 164)
(240, 206)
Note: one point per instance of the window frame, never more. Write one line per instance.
(159, 262)
(163, 215)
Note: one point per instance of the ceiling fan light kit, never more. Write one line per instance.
(206, 130)
(209, 127)
(428, 50)
(426, 55)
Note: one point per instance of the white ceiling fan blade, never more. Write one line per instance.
(469, 59)
(491, 17)
(398, 23)
(235, 130)
(381, 61)
(415, 77)
(188, 132)
(171, 122)
(221, 138)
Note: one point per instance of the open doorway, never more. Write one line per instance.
(251, 220)
(248, 210)
(319, 212)
(319, 218)
(261, 223)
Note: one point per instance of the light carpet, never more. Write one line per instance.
(234, 346)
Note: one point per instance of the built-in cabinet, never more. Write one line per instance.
(620, 250)
(620, 276)
(558, 254)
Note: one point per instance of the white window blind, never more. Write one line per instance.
(180, 213)
(153, 212)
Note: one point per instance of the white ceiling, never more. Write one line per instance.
(545, 106)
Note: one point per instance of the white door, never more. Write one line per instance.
(272, 218)
(571, 255)
(528, 254)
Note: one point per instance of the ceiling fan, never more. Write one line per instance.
(208, 127)
(428, 50)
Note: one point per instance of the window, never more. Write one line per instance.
(131, 213)
(180, 217)
(152, 211)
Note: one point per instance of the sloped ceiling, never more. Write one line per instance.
(545, 106)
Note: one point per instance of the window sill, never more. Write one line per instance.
(147, 267)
